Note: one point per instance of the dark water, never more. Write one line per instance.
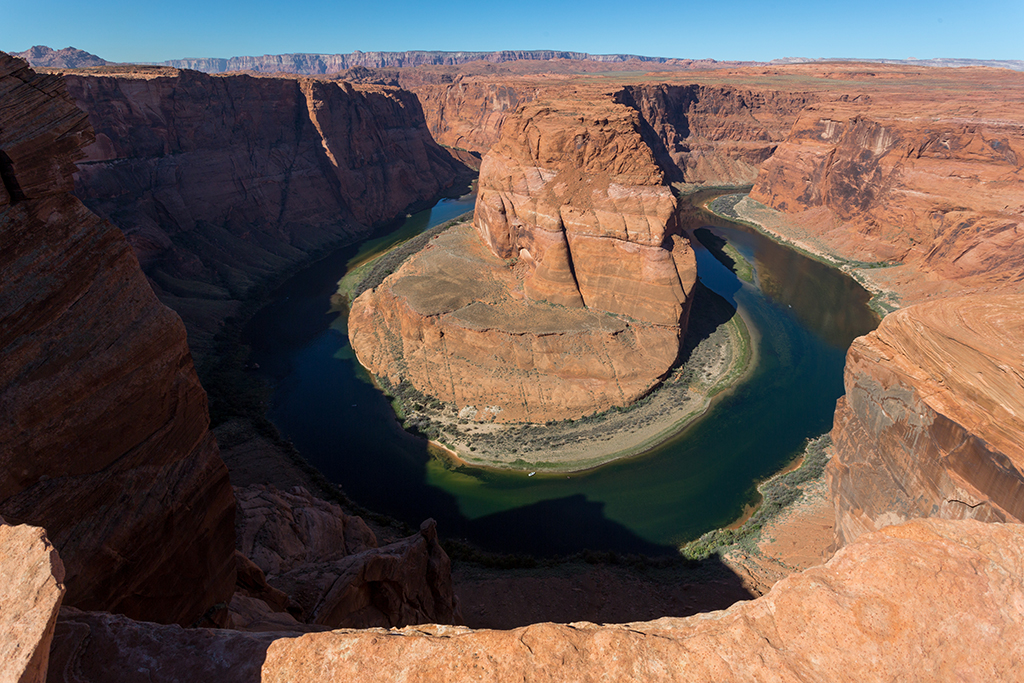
(804, 314)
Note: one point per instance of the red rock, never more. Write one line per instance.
(878, 611)
(931, 424)
(104, 440)
(30, 595)
(928, 181)
(223, 182)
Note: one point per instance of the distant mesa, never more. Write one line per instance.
(68, 58)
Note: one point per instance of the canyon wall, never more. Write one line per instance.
(104, 438)
(222, 182)
(572, 296)
(930, 183)
(714, 135)
(931, 424)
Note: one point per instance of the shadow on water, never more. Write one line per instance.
(561, 526)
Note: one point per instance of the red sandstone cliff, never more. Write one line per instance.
(929, 181)
(221, 182)
(574, 222)
(103, 436)
(931, 424)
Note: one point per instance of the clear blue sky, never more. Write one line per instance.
(140, 30)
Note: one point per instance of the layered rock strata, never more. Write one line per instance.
(878, 611)
(104, 438)
(929, 184)
(332, 570)
(931, 424)
(30, 595)
(572, 296)
(220, 183)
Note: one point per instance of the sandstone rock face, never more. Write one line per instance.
(573, 294)
(932, 181)
(715, 135)
(280, 530)
(572, 190)
(931, 424)
(878, 611)
(222, 182)
(30, 595)
(104, 438)
(467, 113)
(330, 569)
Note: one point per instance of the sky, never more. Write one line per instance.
(143, 31)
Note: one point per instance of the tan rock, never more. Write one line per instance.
(30, 593)
(878, 611)
(104, 438)
(931, 424)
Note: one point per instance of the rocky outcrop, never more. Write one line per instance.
(572, 297)
(328, 564)
(878, 611)
(282, 530)
(104, 438)
(68, 58)
(220, 183)
(30, 595)
(920, 182)
(931, 424)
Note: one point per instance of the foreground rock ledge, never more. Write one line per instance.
(933, 418)
(878, 611)
(31, 588)
(572, 295)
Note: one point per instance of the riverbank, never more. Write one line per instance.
(739, 208)
(719, 356)
(790, 527)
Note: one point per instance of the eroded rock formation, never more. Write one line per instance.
(104, 438)
(330, 566)
(931, 424)
(31, 589)
(220, 183)
(574, 293)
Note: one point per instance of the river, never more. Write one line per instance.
(804, 315)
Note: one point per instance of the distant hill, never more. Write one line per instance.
(68, 58)
(1014, 64)
(315, 64)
